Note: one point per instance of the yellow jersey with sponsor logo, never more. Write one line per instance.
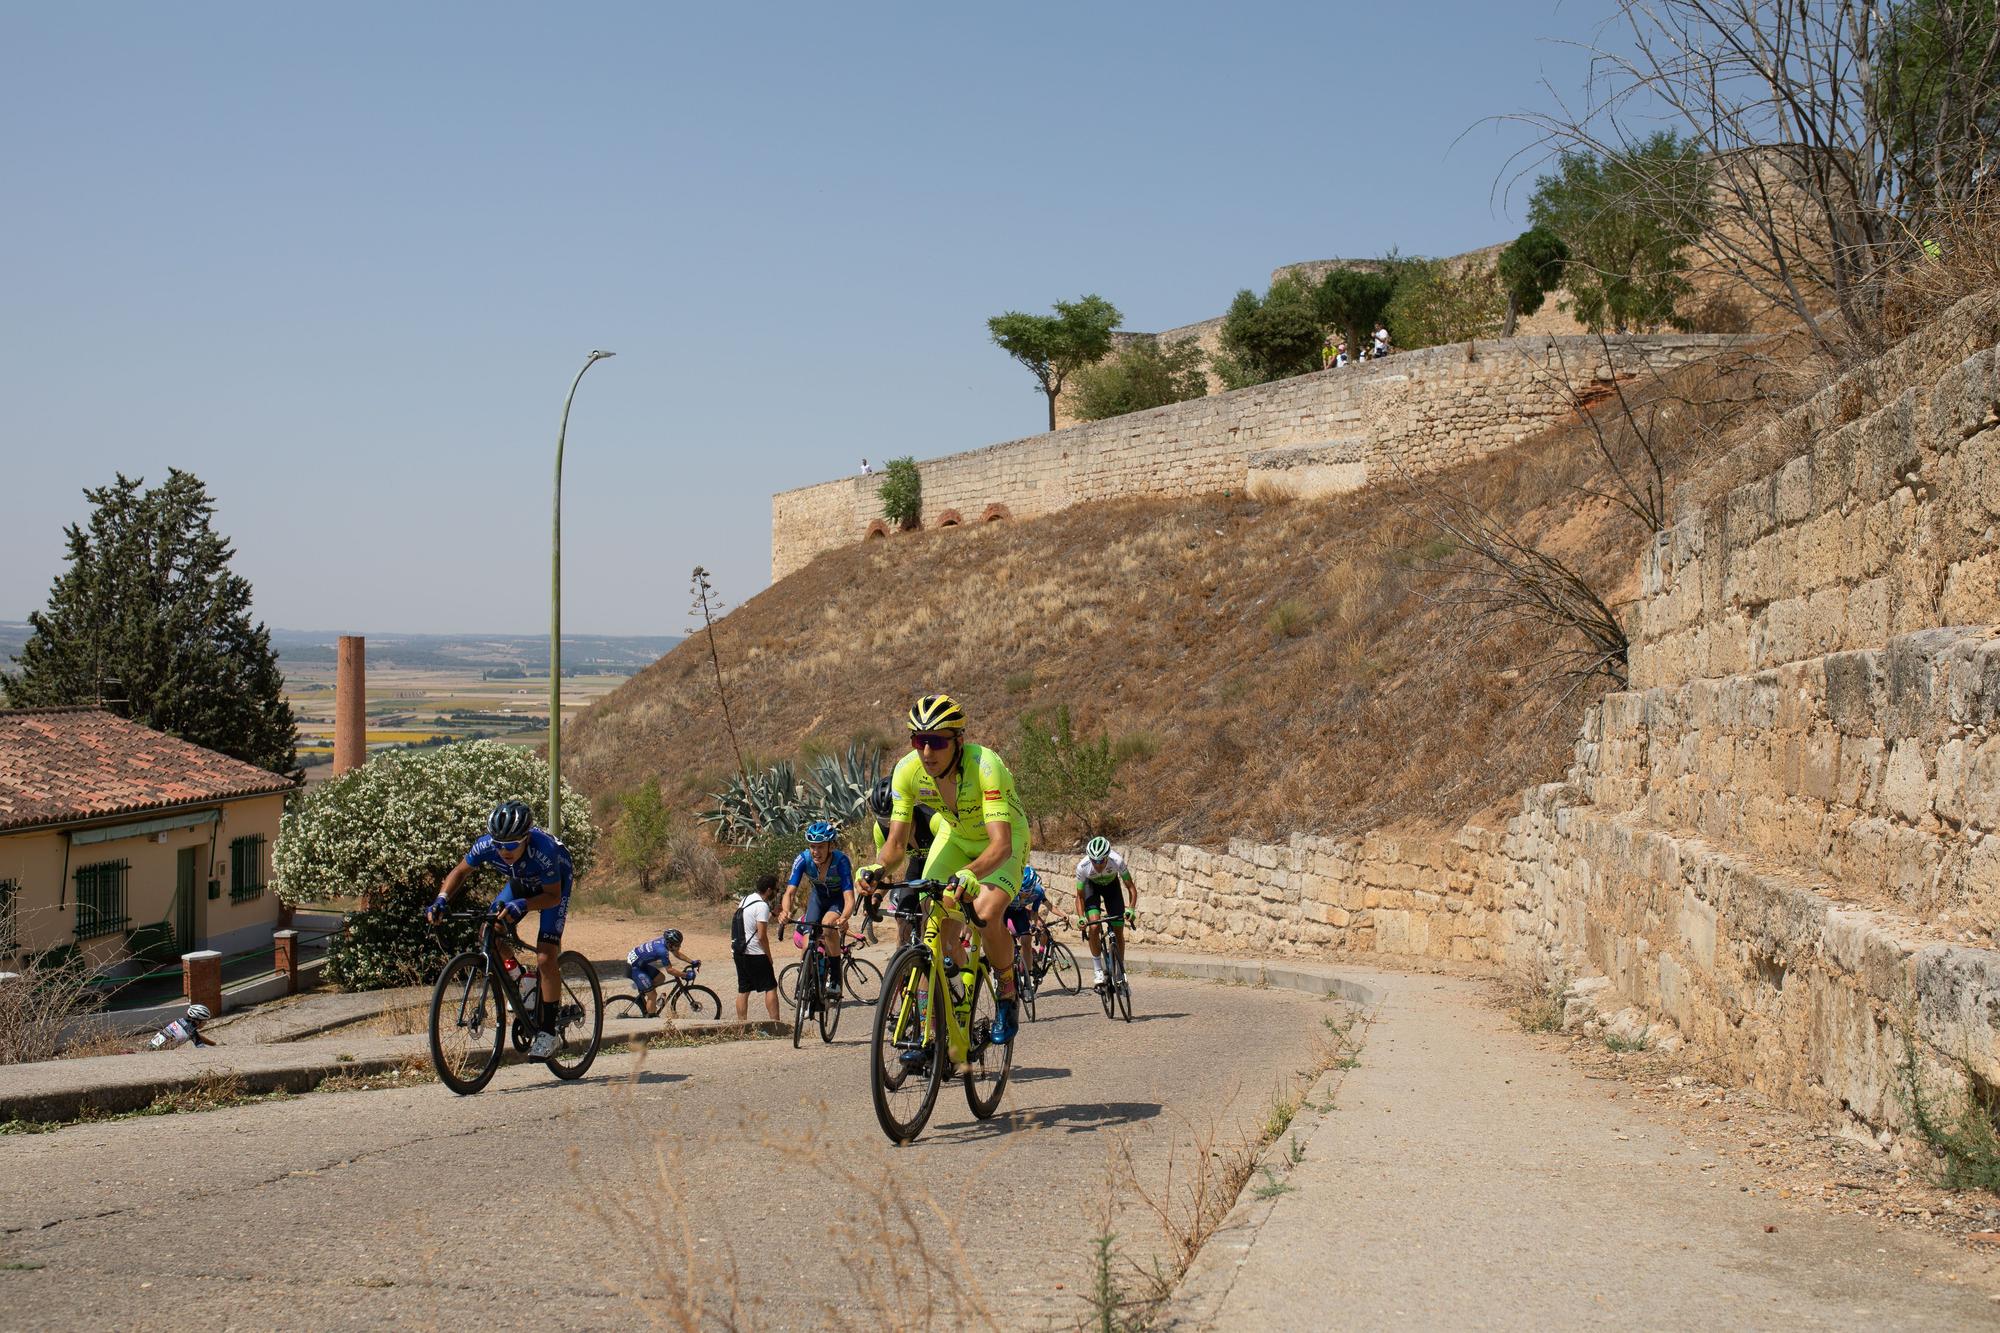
(985, 794)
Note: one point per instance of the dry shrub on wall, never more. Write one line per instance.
(37, 1004)
(1960, 257)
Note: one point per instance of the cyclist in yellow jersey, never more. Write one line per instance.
(985, 840)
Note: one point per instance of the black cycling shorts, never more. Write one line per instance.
(1108, 899)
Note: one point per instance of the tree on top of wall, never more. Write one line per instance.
(1054, 347)
(902, 493)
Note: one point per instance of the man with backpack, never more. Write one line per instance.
(750, 942)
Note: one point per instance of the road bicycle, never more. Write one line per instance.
(931, 1018)
(1052, 958)
(683, 999)
(1116, 993)
(470, 1002)
(811, 989)
(861, 980)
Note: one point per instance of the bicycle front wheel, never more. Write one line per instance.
(695, 1002)
(864, 980)
(1062, 966)
(579, 1016)
(468, 1024)
(802, 997)
(1124, 998)
(987, 1062)
(1025, 984)
(904, 1089)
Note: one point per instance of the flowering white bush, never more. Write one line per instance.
(391, 830)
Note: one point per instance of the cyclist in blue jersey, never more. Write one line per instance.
(645, 963)
(830, 877)
(539, 876)
(1023, 910)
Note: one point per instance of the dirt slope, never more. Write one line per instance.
(1273, 665)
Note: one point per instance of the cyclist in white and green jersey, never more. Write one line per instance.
(1104, 887)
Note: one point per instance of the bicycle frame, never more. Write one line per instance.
(496, 964)
(917, 1018)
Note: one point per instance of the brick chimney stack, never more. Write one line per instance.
(350, 704)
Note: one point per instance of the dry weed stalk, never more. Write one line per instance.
(39, 1003)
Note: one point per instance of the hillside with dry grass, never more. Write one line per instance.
(1266, 665)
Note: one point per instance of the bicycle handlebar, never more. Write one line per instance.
(933, 888)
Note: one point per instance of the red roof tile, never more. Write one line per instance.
(58, 765)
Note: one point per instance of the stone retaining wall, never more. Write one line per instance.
(1784, 846)
(1421, 411)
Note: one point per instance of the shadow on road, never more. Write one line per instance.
(1074, 1118)
(1030, 1075)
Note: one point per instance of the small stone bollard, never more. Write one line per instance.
(285, 944)
(201, 978)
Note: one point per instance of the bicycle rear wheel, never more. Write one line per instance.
(695, 1002)
(830, 1006)
(624, 1006)
(904, 1092)
(788, 984)
(987, 1062)
(468, 1024)
(579, 1016)
(1062, 966)
(1024, 980)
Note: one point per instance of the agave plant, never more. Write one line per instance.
(775, 801)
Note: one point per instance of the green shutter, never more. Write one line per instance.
(246, 868)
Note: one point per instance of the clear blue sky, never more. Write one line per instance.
(344, 259)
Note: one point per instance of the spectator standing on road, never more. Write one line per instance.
(750, 941)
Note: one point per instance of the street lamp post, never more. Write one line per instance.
(555, 614)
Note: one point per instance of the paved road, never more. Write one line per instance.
(758, 1167)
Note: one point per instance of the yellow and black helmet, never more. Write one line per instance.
(937, 712)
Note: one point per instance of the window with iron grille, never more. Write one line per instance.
(246, 868)
(100, 898)
(9, 940)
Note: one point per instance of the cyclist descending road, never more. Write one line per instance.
(987, 832)
(1023, 913)
(831, 876)
(539, 876)
(1102, 878)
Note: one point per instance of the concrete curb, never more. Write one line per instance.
(1198, 1297)
(132, 1094)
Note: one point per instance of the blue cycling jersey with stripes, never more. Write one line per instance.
(543, 862)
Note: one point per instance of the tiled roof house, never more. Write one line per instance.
(108, 828)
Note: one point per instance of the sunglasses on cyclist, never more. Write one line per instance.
(929, 740)
(514, 846)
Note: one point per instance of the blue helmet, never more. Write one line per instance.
(1030, 881)
(818, 831)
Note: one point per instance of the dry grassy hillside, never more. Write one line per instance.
(1271, 665)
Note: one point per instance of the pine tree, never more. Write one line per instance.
(149, 621)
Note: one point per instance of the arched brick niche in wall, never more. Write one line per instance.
(950, 518)
(877, 529)
(995, 512)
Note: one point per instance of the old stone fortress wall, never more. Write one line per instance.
(1315, 434)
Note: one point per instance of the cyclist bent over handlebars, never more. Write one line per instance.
(539, 876)
(985, 841)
